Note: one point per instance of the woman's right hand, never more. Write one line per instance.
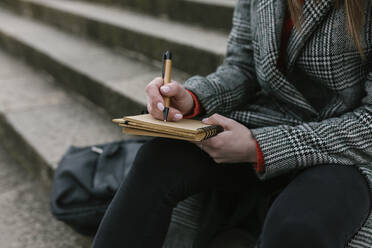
(181, 101)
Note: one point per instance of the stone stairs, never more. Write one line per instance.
(196, 49)
(214, 14)
(68, 67)
(25, 219)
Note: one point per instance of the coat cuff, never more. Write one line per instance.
(277, 150)
(204, 92)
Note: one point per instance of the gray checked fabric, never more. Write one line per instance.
(320, 111)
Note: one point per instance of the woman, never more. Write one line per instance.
(296, 106)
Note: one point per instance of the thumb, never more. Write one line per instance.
(217, 119)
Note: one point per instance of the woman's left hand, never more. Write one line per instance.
(234, 145)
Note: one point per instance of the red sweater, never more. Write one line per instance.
(286, 32)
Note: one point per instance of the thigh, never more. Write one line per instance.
(323, 206)
(182, 165)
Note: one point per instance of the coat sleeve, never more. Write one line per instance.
(234, 82)
(345, 140)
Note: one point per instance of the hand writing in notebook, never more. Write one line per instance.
(235, 145)
(181, 101)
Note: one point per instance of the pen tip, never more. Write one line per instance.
(165, 114)
(168, 55)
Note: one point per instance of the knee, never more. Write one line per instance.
(291, 233)
(168, 153)
(159, 152)
(155, 170)
(161, 160)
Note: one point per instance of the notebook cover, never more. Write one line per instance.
(185, 129)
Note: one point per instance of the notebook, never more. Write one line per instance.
(146, 125)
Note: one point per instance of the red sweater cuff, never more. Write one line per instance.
(196, 110)
(260, 165)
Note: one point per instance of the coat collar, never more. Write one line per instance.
(271, 14)
(313, 14)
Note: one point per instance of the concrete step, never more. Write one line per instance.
(112, 80)
(196, 50)
(25, 219)
(38, 122)
(215, 14)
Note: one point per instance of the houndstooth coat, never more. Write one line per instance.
(320, 112)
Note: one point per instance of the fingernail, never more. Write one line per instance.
(205, 120)
(160, 106)
(178, 117)
(165, 89)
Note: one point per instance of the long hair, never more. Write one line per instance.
(354, 10)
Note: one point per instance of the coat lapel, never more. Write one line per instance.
(271, 15)
(313, 14)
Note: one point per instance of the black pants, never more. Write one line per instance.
(323, 206)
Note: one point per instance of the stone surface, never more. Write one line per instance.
(25, 91)
(193, 36)
(227, 3)
(137, 32)
(52, 129)
(215, 14)
(25, 219)
(107, 78)
(50, 119)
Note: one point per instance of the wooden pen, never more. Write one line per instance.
(166, 75)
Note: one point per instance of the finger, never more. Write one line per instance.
(153, 92)
(211, 152)
(173, 89)
(157, 81)
(154, 85)
(174, 115)
(217, 119)
(215, 142)
(210, 142)
(219, 160)
(155, 114)
(201, 145)
(155, 109)
(155, 106)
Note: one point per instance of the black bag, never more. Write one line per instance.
(86, 181)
